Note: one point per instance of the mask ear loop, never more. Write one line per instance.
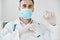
(14, 27)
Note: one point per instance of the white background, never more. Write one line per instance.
(0, 13)
(9, 10)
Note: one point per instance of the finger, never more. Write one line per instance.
(46, 16)
(50, 14)
(53, 14)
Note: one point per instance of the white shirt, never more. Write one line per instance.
(42, 33)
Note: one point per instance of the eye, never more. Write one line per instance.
(24, 5)
(30, 6)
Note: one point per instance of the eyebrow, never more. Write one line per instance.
(24, 4)
(29, 4)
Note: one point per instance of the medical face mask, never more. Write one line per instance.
(26, 13)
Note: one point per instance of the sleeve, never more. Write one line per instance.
(45, 32)
(47, 36)
(51, 28)
(5, 30)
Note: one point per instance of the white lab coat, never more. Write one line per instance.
(8, 34)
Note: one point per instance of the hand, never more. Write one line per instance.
(50, 17)
(28, 29)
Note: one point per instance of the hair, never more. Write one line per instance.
(31, 0)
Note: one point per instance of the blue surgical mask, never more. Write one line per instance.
(26, 13)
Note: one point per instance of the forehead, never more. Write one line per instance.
(27, 2)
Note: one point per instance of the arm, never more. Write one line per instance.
(5, 30)
(50, 17)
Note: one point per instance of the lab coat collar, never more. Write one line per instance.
(20, 22)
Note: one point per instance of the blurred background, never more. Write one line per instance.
(9, 12)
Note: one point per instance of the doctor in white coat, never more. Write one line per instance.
(25, 28)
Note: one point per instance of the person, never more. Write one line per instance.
(25, 27)
(0, 26)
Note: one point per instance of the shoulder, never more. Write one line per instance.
(9, 25)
